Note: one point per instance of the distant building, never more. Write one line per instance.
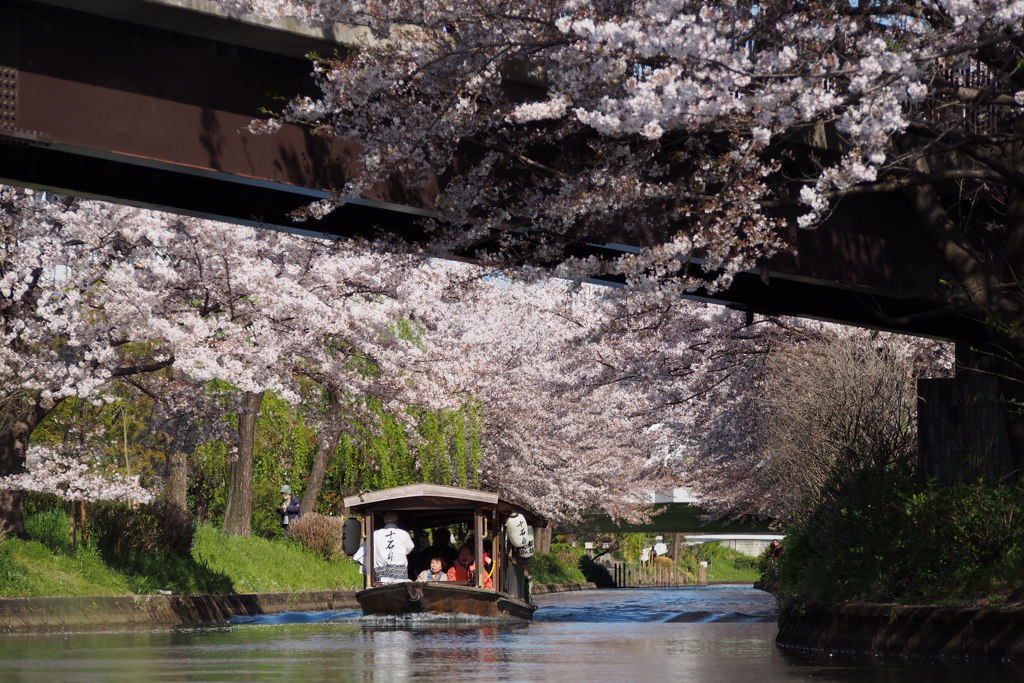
(676, 495)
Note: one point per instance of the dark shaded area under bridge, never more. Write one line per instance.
(145, 103)
(668, 518)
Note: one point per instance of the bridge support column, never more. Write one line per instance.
(962, 434)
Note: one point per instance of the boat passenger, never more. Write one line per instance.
(391, 547)
(436, 572)
(464, 568)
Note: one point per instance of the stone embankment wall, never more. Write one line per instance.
(953, 633)
(60, 614)
(37, 614)
(542, 588)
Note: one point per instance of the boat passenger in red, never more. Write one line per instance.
(464, 568)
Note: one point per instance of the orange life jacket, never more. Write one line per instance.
(457, 572)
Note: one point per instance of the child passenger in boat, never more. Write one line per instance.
(435, 573)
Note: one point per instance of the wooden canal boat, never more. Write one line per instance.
(507, 526)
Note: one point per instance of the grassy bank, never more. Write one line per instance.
(47, 565)
(561, 565)
(724, 564)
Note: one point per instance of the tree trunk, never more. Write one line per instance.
(82, 522)
(542, 541)
(13, 447)
(1012, 396)
(72, 524)
(327, 442)
(238, 511)
(176, 488)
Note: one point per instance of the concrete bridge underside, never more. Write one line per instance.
(684, 522)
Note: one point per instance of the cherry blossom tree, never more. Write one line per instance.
(90, 292)
(590, 397)
(586, 392)
(59, 472)
(552, 441)
(702, 130)
(52, 471)
(816, 400)
(183, 415)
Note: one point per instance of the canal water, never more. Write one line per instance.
(710, 634)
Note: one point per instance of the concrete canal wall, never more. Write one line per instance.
(542, 588)
(64, 614)
(953, 633)
(40, 614)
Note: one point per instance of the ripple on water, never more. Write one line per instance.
(380, 621)
(294, 617)
(697, 604)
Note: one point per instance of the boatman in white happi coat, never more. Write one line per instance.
(391, 548)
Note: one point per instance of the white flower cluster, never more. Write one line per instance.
(67, 476)
(705, 96)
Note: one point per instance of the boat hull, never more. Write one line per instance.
(416, 597)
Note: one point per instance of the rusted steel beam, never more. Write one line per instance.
(102, 101)
(100, 107)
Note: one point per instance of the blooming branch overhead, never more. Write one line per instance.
(700, 128)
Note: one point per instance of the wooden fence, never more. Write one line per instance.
(637, 574)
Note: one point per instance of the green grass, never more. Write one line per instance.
(724, 564)
(29, 569)
(258, 565)
(149, 572)
(727, 570)
(47, 565)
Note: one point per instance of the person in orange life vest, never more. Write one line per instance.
(464, 568)
(435, 573)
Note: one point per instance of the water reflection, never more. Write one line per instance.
(708, 635)
(706, 604)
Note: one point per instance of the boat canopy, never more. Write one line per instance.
(436, 504)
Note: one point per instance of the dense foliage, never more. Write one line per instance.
(694, 139)
(560, 565)
(884, 536)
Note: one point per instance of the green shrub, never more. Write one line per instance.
(566, 553)
(265, 521)
(319, 533)
(34, 501)
(49, 528)
(888, 538)
(117, 528)
(558, 566)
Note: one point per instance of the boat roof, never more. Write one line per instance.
(435, 497)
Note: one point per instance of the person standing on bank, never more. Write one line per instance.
(289, 509)
(774, 553)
